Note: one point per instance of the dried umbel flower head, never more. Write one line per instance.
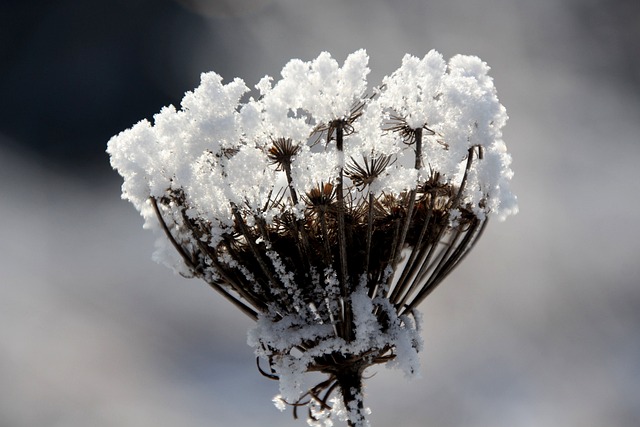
(324, 210)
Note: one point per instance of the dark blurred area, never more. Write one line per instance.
(74, 73)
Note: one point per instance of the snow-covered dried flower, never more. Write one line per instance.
(324, 210)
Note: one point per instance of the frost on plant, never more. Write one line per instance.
(324, 209)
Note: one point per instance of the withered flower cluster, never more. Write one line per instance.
(326, 222)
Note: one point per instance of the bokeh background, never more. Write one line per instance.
(540, 326)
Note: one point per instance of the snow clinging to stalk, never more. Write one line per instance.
(323, 209)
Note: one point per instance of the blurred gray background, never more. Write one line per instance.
(540, 326)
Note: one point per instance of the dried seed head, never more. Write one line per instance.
(409, 134)
(282, 152)
(320, 197)
(371, 168)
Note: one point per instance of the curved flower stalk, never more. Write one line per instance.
(324, 210)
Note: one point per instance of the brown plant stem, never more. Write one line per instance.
(346, 327)
(350, 382)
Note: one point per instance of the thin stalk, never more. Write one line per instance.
(391, 260)
(423, 264)
(369, 237)
(411, 266)
(461, 252)
(236, 285)
(439, 271)
(436, 276)
(209, 252)
(301, 233)
(256, 251)
(342, 234)
(325, 237)
(443, 257)
(183, 253)
(342, 241)
(244, 308)
(463, 183)
(410, 207)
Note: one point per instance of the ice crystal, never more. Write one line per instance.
(324, 209)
